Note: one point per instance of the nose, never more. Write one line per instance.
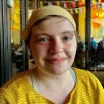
(56, 46)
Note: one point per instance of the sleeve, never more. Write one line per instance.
(6, 97)
(95, 80)
(98, 90)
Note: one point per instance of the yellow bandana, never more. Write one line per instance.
(41, 13)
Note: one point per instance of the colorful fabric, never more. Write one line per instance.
(42, 13)
(87, 90)
(94, 44)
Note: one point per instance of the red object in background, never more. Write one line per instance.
(67, 5)
(73, 4)
(80, 4)
(57, 3)
(100, 1)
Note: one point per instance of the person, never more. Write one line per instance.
(94, 43)
(52, 39)
(100, 52)
(93, 49)
(80, 55)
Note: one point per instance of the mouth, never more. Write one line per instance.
(55, 60)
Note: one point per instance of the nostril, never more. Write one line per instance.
(52, 52)
(55, 50)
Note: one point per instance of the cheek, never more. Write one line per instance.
(39, 50)
(71, 49)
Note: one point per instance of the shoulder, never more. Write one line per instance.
(16, 80)
(87, 78)
(10, 91)
(85, 74)
(82, 72)
(19, 82)
(88, 88)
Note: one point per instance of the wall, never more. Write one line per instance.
(16, 37)
(82, 26)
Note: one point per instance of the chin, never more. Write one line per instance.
(58, 71)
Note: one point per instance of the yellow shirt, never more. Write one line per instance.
(87, 90)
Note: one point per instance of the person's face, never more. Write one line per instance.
(53, 45)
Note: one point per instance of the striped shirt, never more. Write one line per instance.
(87, 90)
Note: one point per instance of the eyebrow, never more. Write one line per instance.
(41, 34)
(64, 32)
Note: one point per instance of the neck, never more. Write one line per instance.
(53, 81)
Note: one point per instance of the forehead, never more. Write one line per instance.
(52, 23)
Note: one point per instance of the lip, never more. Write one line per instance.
(55, 60)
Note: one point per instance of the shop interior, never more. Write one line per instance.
(78, 10)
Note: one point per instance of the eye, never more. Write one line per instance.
(66, 38)
(43, 39)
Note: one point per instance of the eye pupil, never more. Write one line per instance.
(43, 40)
(66, 38)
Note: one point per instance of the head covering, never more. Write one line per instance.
(41, 13)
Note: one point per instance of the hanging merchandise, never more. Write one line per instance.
(49, 3)
(80, 10)
(71, 11)
(57, 3)
(62, 4)
(80, 4)
(41, 3)
(76, 11)
(73, 4)
(101, 1)
(65, 6)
